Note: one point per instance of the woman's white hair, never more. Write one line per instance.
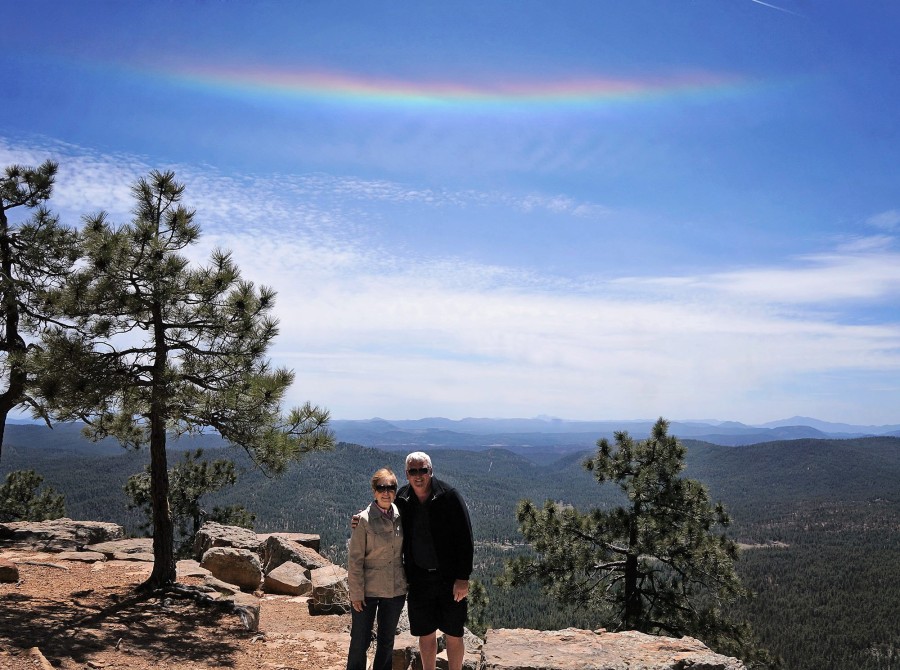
(419, 456)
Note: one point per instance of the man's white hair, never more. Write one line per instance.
(418, 456)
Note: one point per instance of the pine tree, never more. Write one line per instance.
(35, 256)
(660, 564)
(190, 479)
(160, 347)
(20, 500)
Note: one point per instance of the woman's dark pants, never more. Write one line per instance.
(387, 612)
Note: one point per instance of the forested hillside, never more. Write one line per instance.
(820, 518)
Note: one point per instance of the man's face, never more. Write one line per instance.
(419, 475)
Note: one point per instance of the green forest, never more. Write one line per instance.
(818, 520)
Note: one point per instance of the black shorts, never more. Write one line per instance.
(431, 606)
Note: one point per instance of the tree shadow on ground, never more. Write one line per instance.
(160, 626)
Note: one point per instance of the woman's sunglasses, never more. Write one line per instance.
(382, 488)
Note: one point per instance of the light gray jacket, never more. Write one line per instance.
(375, 556)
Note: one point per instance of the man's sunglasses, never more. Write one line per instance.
(418, 471)
(381, 488)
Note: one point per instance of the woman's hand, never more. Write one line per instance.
(358, 605)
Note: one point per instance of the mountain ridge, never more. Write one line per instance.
(565, 435)
(545, 435)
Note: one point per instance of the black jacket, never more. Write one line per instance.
(451, 529)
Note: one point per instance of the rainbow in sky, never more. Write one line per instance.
(348, 90)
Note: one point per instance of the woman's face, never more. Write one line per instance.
(385, 490)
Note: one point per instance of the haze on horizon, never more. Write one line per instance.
(590, 211)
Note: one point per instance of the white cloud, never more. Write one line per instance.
(371, 332)
(382, 340)
(820, 279)
(867, 269)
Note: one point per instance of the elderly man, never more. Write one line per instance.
(437, 551)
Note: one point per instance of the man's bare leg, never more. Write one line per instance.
(428, 651)
(456, 649)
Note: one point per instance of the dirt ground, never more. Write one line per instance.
(87, 615)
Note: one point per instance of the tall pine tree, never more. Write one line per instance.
(160, 347)
(36, 254)
(660, 564)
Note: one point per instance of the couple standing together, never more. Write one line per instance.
(419, 536)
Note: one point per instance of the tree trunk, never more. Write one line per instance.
(12, 342)
(3, 415)
(632, 596)
(164, 573)
(163, 528)
(633, 605)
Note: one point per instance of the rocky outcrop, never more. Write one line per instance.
(326, 593)
(235, 566)
(310, 540)
(286, 559)
(574, 649)
(212, 534)
(277, 550)
(57, 535)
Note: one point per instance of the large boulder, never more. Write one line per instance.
(57, 535)
(240, 567)
(310, 540)
(289, 578)
(574, 649)
(277, 550)
(212, 534)
(330, 591)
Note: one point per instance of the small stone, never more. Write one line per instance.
(9, 572)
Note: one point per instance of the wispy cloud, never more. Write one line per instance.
(776, 7)
(822, 279)
(889, 220)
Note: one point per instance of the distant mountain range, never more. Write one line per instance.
(559, 435)
(525, 436)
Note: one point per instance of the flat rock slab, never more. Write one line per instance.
(57, 535)
(190, 568)
(83, 556)
(575, 649)
(135, 545)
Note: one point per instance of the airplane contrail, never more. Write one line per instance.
(780, 9)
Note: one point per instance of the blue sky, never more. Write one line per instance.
(591, 210)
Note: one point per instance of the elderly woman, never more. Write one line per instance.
(376, 577)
